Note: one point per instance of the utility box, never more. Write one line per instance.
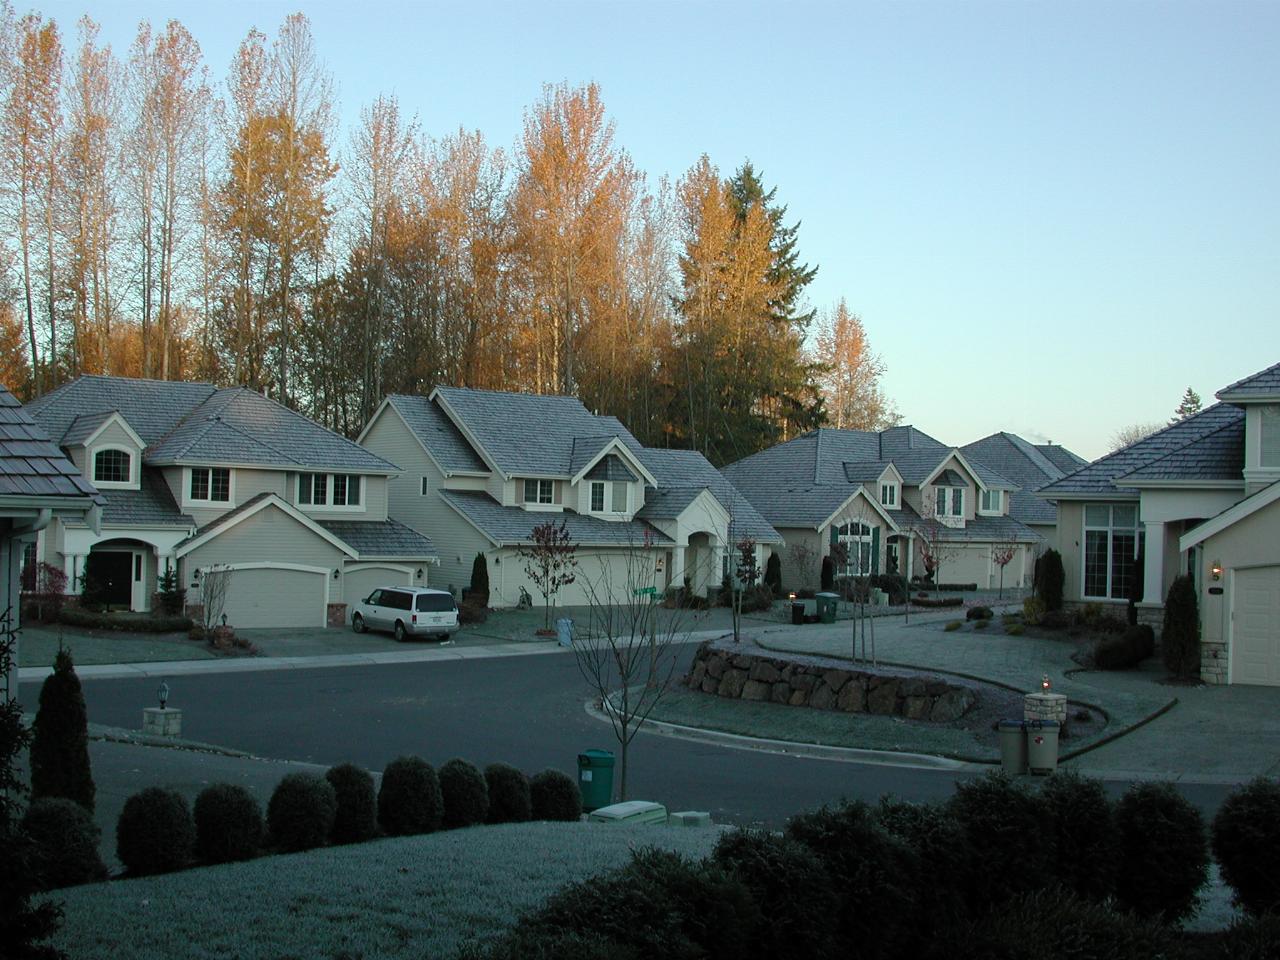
(827, 607)
(1013, 747)
(564, 632)
(689, 818)
(630, 811)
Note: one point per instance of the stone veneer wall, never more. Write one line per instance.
(1213, 661)
(746, 676)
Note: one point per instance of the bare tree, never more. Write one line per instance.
(804, 558)
(213, 597)
(549, 561)
(1001, 554)
(628, 653)
(743, 575)
(1128, 436)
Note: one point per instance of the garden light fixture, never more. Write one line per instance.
(163, 694)
(1044, 684)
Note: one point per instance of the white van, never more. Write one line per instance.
(407, 612)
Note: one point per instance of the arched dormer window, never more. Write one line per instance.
(112, 465)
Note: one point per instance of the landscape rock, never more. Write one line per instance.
(765, 672)
(852, 699)
(836, 679)
(916, 707)
(883, 699)
(952, 705)
(732, 682)
(822, 698)
(781, 692)
(756, 690)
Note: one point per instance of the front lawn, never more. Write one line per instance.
(408, 897)
(40, 645)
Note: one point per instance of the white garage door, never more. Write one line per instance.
(1255, 626)
(358, 582)
(276, 596)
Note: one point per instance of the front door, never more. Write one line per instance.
(115, 570)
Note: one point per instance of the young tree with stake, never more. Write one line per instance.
(549, 561)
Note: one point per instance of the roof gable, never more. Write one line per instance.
(1215, 456)
(1028, 465)
(1263, 385)
(151, 407)
(435, 433)
(30, 464)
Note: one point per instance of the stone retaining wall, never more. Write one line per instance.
(744, 676)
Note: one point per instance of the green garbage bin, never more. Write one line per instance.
(1013, 746)
(595, 779)
(827, 607)
(1042, 746)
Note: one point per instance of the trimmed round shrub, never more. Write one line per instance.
(789, 881)
(874, 874)
(1246, 844)
(66, 843)
(661, 905)
(1005, 822)
(1125, 650)
(943, 849)
(979, 613)
(60, 738)
(1084, 834)
(1056, 925)
(357, 817)
(554, 796)
(155, 832)
(301, 812)
(1163, 853)
(465, 793)
(1180, 636)
(409, 799)
(508, 794)
(228, 824)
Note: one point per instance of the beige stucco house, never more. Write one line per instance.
(1197, 497)
(200, 478)
(482, 468)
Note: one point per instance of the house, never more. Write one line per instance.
(1030, 466)
(1197, 497)
(890, 499)
(196, 478)
(38, 486)
(482, 468)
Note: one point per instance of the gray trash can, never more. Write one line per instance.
(1013, 747)
(1042, 746)
(564, 632)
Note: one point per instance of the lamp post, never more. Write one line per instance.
(163, 694)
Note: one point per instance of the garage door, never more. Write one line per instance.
(359, 582)
(1255, 626)
(273, 596)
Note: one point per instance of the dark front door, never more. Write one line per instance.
(115, 571)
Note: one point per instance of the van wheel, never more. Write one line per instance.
(357, 623)
(401, 636)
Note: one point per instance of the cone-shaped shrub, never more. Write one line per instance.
(1246, 844)
(773, 574)
(60, 745)
(1163, 853)
(465, 794)
(478, 595)
(357, 817)
(409, 799)
(874, 873)
(228, 824)
(1180, 636)
(1084, 833)
(554, 796)
(301, 811)
(1006, 824)
(1050, 579)
(508, 794)
(66, 839)
(155, 832)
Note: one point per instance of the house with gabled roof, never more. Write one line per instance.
(197, 477)
(38, 486)
(1031, 466)
(1198, 497)
(882, 500)
(482, 468)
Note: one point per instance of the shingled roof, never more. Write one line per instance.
(435, 431)
(1216, 456)
(512, 526)
(382, 540)
(31, 465)
(1262, 385)
(1029, 465)
(151, 407)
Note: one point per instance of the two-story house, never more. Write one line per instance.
(482, 469)
(196, 477)
(889, 499)
(1198, 497)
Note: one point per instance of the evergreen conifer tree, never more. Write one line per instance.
(479, 594)
(60, 745)
(1189, 406)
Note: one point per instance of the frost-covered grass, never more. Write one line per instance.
(406, 897)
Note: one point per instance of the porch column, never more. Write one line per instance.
(1153, 570)
(73, 567)
(714, 577)
(676, 576)
(911, 554)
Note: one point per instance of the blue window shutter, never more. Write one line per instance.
(835, 534)
(875, 549)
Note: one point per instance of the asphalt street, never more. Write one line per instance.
(528, 711)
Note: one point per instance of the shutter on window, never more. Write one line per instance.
(875, 550)
(835, 535)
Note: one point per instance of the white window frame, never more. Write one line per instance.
(591, 496)
(1111, 529)
(626, 498)
(889, 495)
(550, 487)
(949, 507)
(1269, 436)
(189, 473)
(984, 502)
(330, 487)
(957, 502)
(853, 543)
(131, 453)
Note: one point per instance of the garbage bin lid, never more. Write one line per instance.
(833, 596)
(1012, 724)
(1043, 724)
(596, 758)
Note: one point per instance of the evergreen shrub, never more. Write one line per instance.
(66, 843)
(229, 824)
(60, 741)
(828, 577)
(508, 794)
(1122, 651)
(1163, 853)
(944, 850)
(1005, 822)
(1084, 834)
(554, 796)
(979, 613)
(1180, 637)
(409, 799)
(155, 832)
(465, 794)
(1246, 844)
(773, 574)
(478, 595)
(1052, 578)
(356, 819)
(301, 812)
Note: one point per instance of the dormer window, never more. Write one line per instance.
(889, 494)
(616, 498)
(949, 502)
(992, 501)
(210, 485)
(597, 497)
(112, 465)
(539, 491)
(329, 489)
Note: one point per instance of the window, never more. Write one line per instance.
(1269, 455)
(856, 540)
(210, 484)
(619, 498)
(941, 502)
(889, 494)
(992, 501)
(597, 496)
(330, 489)
(435, 603)
(957, 502)
(952, 497)
(346, 490)
(1113, 538)
(426, 486)
(112, 466)
(539, 491)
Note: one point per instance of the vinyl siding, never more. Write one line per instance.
(1249, 543)
(373, 500)
(791, 577)
(267, 536)
(115, 436)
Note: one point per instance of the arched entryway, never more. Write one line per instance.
(117, 574)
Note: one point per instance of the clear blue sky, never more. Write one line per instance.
(1052, 217)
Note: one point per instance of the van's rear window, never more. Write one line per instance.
(434, 602)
